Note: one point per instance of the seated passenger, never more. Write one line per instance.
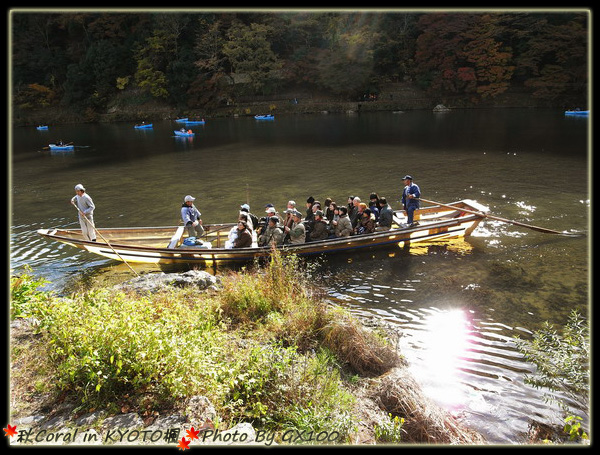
(385, 216)
(374, 205)
(244, 237)
(366, 224)
(297, 232)
(272, 235)
(319, 230)
(343, 227)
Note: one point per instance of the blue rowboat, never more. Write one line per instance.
(181, 120)
(42, 127)
(61, 147)
(143, 126)
(577, 112)
(264, 117)
(195, 122)
(183, 134)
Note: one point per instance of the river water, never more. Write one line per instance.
(455, 306)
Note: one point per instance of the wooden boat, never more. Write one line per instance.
(42, 127)
(577, 112)
(264, 117)
(143, 126)
(183, 134)
(61, 147)
(164, 245)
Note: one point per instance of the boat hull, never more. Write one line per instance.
(61, 147)
(179, 133)
(143, 245)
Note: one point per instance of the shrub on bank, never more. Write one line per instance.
(263, 349)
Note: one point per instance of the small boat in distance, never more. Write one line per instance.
(577, 112)
(61, 146)
(165, 245)
(188, 133)
(181, 120)
(265, 117)
(195, 122)
(42, 127)
(143, 126)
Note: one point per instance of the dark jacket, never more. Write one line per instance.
(386, 215)
(319, 231)
(243, 240)
(366, 225)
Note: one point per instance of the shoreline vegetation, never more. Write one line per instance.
(263, 348)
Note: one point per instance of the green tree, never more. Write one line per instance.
(249, 52)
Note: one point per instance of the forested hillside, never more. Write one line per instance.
(191, 60)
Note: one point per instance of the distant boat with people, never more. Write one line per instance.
(42, 127)
(187, 133)
(265, 117)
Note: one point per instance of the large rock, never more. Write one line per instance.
(153, 282)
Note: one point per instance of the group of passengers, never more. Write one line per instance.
(320, 221)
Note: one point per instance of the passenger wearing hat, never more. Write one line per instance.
(273, 235)
(253, 219)
(191, 217)
(319, 230)
(297, 232)
(410, 200)
(85, 205)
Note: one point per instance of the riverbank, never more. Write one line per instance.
(260, 351)
(393, 97)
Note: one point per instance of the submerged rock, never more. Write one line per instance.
(156, 281)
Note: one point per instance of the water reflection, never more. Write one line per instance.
(447, 334)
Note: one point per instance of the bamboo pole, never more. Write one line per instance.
(103, 238)
(504, 220)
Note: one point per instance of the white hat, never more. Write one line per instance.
(189, 198)
(79, 187)
(271, 210)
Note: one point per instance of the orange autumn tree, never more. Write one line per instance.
(460, 53)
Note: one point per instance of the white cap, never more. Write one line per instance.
(189, 198)
(79, 187)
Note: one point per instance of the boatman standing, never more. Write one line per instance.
(410, 200)
(86, 207)
(191, 217)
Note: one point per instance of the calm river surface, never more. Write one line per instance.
(456, 306)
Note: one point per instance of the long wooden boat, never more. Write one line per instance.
(164, 245)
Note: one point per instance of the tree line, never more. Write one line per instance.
(202, 59)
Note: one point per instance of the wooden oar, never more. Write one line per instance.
(504, 220)
(103, 238)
